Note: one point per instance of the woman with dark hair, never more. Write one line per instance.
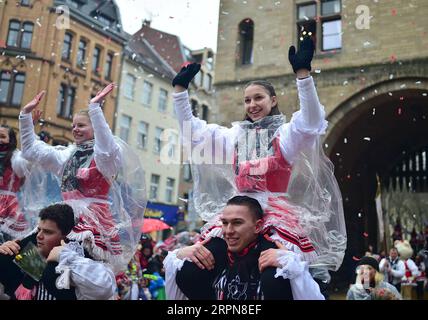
(280, 164)
(13, 169)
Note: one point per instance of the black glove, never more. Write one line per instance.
(186, 75)
(302, 59)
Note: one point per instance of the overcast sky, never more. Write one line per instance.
(194, 21)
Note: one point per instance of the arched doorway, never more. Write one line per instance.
(373, 133)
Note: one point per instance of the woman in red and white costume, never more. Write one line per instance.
(280, 164)
(13, 169)
(88, 171)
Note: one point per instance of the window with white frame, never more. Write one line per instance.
(172, 145)
(96, 58)
(169, 189)
(326, 27)
(81, 53)
(67, 46)
(207, 82)
(65, 101)
(11, 88)
(158, 141)
(20, 35)
(163, 100)
(108, 68)
(187, 172)
(143, 131)
(147, 93)
(154, 186)
(125, 127)
(129, 86)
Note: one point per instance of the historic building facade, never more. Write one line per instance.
(370, 68)
(70, 48)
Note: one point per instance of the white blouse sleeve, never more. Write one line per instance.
(302, 284)
(108, 155)
(306, 124)
(37, 151)
(20, 166)
(172, 265)
(195, 131)
(93, 280)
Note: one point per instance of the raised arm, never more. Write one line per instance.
(108, 156)
(307, 123)
(188, 123)
(34, 150)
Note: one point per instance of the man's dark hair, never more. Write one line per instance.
(250, 203)
(62, 214)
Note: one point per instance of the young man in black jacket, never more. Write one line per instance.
(242, 265)
(86, 279)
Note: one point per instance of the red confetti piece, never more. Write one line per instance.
(365, 234)
(401, 98)
(355, 258)
(393, 58)
(394, 12)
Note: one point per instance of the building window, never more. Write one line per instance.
(25, 3)
(67, 46)
(163, 99)
(125, 127)
(198, 79)
(20, 37)
(65, 102)
(11, 88)
(246, 36)
(147, 93)
(128, 90)
(187, 172)
(205, 112)
(210, 63)
(96, 60)
(81, 53)
(332, 35)
(143, 131)
(109, 66)
(195, 108)
(207, 82)
(27, 35)
(154, 186)
(169, 189)
(158, 141)
(172, 145)
(328, 25)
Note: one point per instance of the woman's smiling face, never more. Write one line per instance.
(258, 103)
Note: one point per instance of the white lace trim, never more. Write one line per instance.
(291, 265)
(172, 260)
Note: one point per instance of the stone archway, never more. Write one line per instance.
(369, 134)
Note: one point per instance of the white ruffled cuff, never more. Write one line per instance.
(291, 265)
(173, 261)
(66, 258)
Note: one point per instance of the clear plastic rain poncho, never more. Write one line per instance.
(109, 211)
(13, 224)
(302, 201)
